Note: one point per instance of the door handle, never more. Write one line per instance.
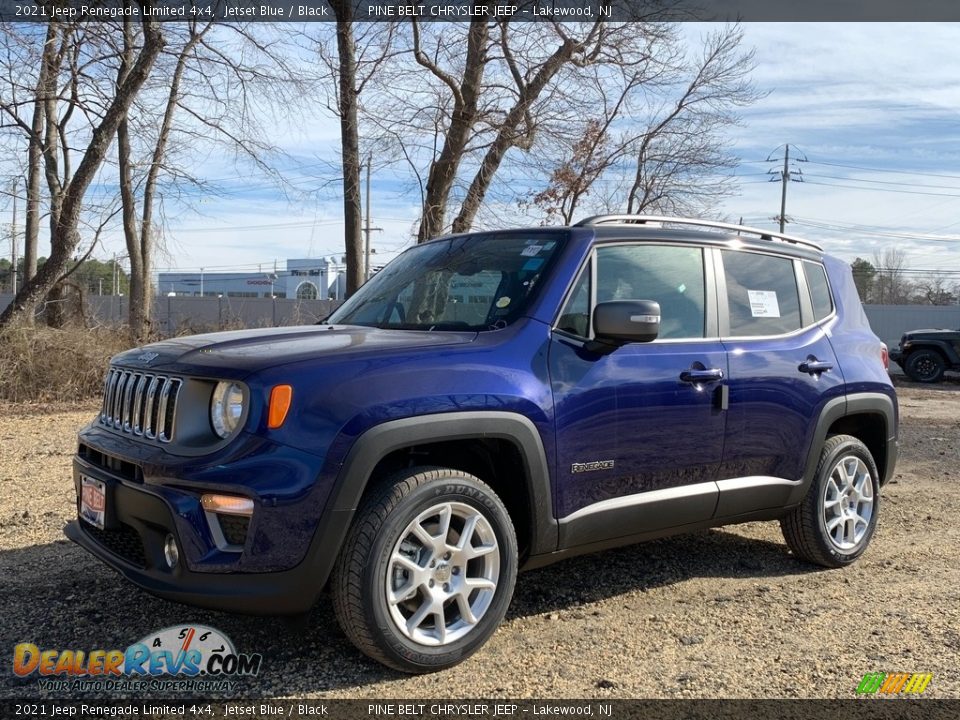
(701, 376)
(812, 366)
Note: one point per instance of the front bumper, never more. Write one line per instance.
(281, 593)
(291, 542)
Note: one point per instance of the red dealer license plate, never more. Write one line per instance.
(93, 501)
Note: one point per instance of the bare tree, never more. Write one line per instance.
(358, 58)
(891, 285)
(45, 86)
(592, 151)
(679, 157)
(465, 91)
(140, 240)
(935, 290)
(561, 100)
(518, 127)
(23, 122)
(221, 88)
(67, 187)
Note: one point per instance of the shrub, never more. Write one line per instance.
(42, 364)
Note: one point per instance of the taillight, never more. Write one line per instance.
(885, 356)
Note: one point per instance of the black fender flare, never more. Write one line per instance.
(943, 348)
(380, 440)
(839, 407)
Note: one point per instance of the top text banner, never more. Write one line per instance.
(454, 10)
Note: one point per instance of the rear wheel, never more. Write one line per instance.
(926, 366)
(835, 522)
(427, 571)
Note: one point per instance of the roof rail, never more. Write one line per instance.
(665, 219)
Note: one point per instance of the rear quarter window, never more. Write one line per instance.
(819, 290)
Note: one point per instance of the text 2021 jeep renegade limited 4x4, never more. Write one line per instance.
(487, 402)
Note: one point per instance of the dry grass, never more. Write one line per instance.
(41, 364)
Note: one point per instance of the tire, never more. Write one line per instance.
(844, 494)
(398, 567)
(925, 366)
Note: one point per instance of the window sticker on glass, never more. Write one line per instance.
(532, 264)
(763, 303)
(503, 302)
(531, 250)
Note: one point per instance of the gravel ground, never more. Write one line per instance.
(722, 613)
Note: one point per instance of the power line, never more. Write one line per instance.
(867, 230)
(886, 182)
(888, 190)
(884, 170)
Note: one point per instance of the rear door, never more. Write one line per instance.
(782, 371)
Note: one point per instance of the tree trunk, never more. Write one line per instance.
(136, 312)
(65, 234)
(443, 171)
(349, 143)
(506, 137)
(34, 170)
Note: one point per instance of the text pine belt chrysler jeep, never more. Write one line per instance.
(489, 402)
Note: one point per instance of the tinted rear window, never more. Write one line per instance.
(762, 294)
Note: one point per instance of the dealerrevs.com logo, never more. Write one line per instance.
(191, 658)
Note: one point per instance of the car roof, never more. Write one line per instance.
(616, 228)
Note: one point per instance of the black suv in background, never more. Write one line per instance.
(925, 355)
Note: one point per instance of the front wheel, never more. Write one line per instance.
(427, 571)
(834, 523)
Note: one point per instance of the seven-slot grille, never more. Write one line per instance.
(140, 403)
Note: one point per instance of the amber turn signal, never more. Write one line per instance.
(280, 399)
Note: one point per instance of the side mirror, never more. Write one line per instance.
(627, 321)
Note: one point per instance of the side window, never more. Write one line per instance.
(819, 289)
(575, 317)
(671, 275)
(762, 294)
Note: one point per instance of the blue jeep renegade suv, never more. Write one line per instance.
(489, 402)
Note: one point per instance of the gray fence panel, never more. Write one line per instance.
(184, 315)
(889, 322)
(181, 315)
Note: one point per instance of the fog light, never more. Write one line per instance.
(170, 552)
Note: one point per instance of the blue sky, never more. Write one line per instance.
(875, 109)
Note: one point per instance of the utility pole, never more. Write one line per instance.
(367, 229)
(13, 236)
(785, 175)
(366, 264)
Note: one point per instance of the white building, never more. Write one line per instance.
(305, 279)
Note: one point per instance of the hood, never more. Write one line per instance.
(941, 334)
(239, 353)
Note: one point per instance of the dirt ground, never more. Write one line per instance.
(722, 613)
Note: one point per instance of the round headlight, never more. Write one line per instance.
(226, 408)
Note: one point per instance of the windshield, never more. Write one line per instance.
(471, 282)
